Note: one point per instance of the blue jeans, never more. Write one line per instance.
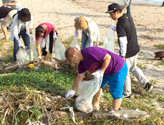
(84, 41)
(128, 8)
(26, 41)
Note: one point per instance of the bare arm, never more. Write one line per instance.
(106, 62)
(79, 78)
(38, 47)
(30, 30)
(10, 4)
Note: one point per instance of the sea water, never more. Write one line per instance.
(151, 1)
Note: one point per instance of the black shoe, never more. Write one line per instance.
(148, 87)
(127, 97)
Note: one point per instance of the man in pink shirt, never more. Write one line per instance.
(45, 34)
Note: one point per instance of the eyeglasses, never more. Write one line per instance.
(69, 59)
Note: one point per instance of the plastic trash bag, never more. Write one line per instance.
(86, 90)
(75, 43)
(109, 40)
(24, 55)
(122, 3)
(59, 49)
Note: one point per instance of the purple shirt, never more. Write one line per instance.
(93, 59)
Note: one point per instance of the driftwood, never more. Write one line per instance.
(36, 63)
(159, 55)
(126, 115)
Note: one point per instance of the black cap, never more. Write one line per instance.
(113, 7)
(24, 15)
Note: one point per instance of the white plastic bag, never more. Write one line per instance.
(86, 90)
(122, 3)
(75, 43)
(59, 50)
(109, 40)
(24, 55)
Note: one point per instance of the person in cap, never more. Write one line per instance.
(104, 64)
(6, 14)
(21, 26)
(129, 47)
(14, 4)
(90, 31)
(45, 34)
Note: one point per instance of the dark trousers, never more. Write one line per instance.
(128, 8)
(44, 53)
(26, 41)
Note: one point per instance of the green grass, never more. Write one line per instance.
(159, 46)
(46, 80)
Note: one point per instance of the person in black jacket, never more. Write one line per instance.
(129, 47)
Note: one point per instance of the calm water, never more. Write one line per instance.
(151, 1)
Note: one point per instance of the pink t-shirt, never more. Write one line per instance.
(50, 28)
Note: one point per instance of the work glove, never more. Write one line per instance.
(20, 44)
(55, 36)
(113, 27)
(31, 38)
(70, 94)
(98, 74)
(76, 32)
(39, 57)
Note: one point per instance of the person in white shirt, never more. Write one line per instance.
(21, 26)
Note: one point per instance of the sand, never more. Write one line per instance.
(148, 18)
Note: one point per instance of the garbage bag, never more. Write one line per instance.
(24, 55)
(122, 3)
(109, 40)
(86, 90)
(75, 43)
(59, 49)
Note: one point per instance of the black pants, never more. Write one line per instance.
(44, 53)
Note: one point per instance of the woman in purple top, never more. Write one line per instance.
(104, 64)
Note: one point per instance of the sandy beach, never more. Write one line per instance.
(148, 18)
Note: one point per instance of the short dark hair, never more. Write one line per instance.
(120, 10)
(38, 31)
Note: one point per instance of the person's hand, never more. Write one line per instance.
(31, 38)
(98, 73)
(76, 32)
(113, 27)
(20, 44)
(70, 94)
(55, 36)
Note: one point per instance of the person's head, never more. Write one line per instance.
(81, 23)
(24, 15)
(39, 31)
(73, 55)
(115, 11)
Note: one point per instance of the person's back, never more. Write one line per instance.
(129, 31)
(4, 11)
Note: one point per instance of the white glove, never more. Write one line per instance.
(19, 43)
(39, 57)
(70, 94)
(98, 73)
(113, 27)
(76, 32)
(55, 36)
(31, 38)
